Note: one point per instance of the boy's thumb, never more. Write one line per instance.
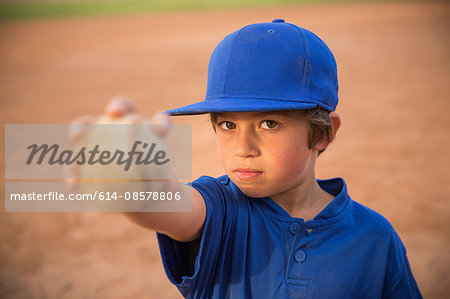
(162, 123)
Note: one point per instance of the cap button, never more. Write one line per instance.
(278, 21)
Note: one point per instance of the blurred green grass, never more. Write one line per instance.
(19, 10)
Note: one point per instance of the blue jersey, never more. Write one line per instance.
(252, 248)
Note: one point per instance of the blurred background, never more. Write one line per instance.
(62, 59)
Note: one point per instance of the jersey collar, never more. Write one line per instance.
(332, 213)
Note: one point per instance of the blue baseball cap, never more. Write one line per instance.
(267, 67)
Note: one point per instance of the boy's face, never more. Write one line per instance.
(265, 154)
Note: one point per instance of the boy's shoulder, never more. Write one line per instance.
(351, 215)
(372, 220)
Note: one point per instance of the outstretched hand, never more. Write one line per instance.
(119, 110)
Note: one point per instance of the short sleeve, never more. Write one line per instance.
(405, 287)
(175, 254)
(399, 282)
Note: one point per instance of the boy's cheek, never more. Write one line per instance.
(224, 154)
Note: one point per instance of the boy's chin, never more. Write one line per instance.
(251, 189)
(254, 192)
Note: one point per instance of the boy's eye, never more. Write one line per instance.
(227, 125)
(269, 124)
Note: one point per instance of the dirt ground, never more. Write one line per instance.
(392, 149)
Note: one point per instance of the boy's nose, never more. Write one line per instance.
(247, 145)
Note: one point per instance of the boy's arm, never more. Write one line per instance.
(181, 226)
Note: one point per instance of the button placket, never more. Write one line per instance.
(299, 267)
(295, 228)
(293, 237)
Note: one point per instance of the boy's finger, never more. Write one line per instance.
(119, 106)
(78, 127)
(162, 123)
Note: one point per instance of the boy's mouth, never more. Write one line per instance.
(247, 174)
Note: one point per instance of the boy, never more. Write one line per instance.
(268, 228)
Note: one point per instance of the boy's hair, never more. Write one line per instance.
(318, 120)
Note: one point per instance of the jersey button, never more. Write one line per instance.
(300, 256)
(294, 227)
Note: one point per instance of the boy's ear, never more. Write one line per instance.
(335, 125)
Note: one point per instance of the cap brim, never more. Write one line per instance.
(240, 105)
